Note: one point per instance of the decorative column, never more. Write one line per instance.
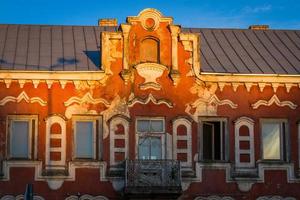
(174, 73)
(125, 74)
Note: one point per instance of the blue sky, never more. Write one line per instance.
(282, 14)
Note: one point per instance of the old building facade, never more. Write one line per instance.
(148, 109)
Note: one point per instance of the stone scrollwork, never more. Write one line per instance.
(77, 105)
(274, 100)
(275, 198)
(137, 100)
(22, 96)
(207, 102)
(86, 197)
(150, 72)
(20, 197)
(214, 198)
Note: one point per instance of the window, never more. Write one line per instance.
(22, 132)
(213, 139)
(150, 135)
(149, 50)
(85, 137)
(274, 140)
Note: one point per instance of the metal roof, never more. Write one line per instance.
(77, 48)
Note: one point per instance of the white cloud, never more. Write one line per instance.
(257, 9)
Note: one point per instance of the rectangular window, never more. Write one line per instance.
(22, 136)
(273, 139)
(213, 142)
(150, 135)
(86, 130)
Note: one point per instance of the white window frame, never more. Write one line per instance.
(249, 123)
(29, 119)
(188, 138)
(284, 139)
(224, 140)
(112, 127)
(161, 135)
(93, 119)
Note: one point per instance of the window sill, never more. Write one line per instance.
(272, 161)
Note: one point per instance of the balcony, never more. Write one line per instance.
(152, 177)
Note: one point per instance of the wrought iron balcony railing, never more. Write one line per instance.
(152, 177)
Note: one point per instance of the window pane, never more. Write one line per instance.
(155, 148)
(84, 139)
(208, 130)
(271, 140)
(157, 126)
(143, 125)
(144, 148)
(19, 139)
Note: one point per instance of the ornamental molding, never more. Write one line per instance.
(22, 96)
(86, 197)
(87, 98)
(50, 77)
(250, 80)
(207, 102)
(214, 198)
(275, 198)
(20, 197)
(150, 19)
(150, 72)
(273, 100)
(150, 98)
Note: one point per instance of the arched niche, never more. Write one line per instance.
(149, 50)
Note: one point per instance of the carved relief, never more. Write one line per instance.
(118, 106)
(87, 98)
(20, 197)
(214, 198)
(272, 100)
(190, 43)
(22, 96)
(86, 197)
(207, 103)
(134, 100)
(275, 198)
(150, 72)
(79, 106)
(150, 19)
(109, 51)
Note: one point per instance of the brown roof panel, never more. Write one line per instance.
(276, 54)
(230, 52)
(284, 49)
(241, 52)
(57, 49)
(21, 49)
(92, 52)
(253, 53)
(39, 47)
(69, 59)
(10, 47)
(80, 48)
(45, 48)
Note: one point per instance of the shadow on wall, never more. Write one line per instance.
(61, 62)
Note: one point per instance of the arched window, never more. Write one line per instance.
(119, 128)
(244, 142)
(182, 141)
(149, 50)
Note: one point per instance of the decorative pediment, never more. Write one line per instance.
(150, 19)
